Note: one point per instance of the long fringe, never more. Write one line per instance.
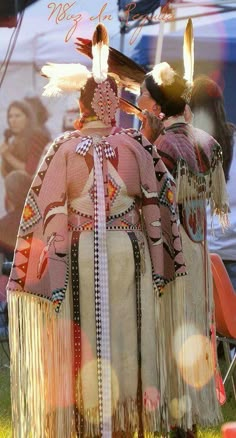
(181, 399)
(169, 318)
(210, 187)
(41, 377)
(219, 199)
(42, 381)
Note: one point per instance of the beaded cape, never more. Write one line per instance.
(41, 256)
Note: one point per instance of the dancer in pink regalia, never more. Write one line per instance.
(97, 243)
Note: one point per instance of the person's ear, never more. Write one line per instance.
(156, 109)
(188, 115)
(81, 106)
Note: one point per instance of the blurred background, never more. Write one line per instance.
(34, 32)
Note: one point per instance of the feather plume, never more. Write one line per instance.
(130, 108)
(163, 74)
(64, 78)
(188, 52)
(100, 52)
(127, 73)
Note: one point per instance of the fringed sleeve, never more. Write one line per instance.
(219, 200)
(40, 259)
(208, 185)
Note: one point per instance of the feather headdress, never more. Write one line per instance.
(163, 74)
(73, 77)
(64, 77)
(126, 72)
(130, 108)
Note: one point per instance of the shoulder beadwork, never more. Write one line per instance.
(68, 135)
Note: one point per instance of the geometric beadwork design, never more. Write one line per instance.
(101, 292)
(21, 269)
(91, 193)
(105, 103)
(52, 151)
(31, 214)
(88, 226)
(125, 224)
(79, 414)
(166, 196)
(113, 189)
(58, 295)
(137, 262)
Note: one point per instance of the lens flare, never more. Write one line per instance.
(151, 398)
(179, 407)
(88, 376)
(194, 356)
(59, 365)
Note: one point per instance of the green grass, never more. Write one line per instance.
(5, 400)
(229, 414)
(229, 409)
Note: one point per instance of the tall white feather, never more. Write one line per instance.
(188, 52)
(100, 52)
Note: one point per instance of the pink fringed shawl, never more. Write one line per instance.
(41, 258)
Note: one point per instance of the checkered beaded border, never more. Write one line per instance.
(79, 408)
(101, 290)
(137, 263)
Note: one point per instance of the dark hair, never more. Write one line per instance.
(87, 93)
(23, 106)
(207, 95)
(169, 97)
(26, 109)
(38, 108)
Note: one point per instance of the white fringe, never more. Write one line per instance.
(41, 360)
(219, 199)
(182, 401)
(42, 386)
(210, 187)
(169, 318)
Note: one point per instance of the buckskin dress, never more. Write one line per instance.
(98, 239)
(190, 371)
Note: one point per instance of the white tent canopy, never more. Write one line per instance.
(43, 39)
(45, 29)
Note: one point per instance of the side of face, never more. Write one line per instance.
(145, 101)
(17, 120)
